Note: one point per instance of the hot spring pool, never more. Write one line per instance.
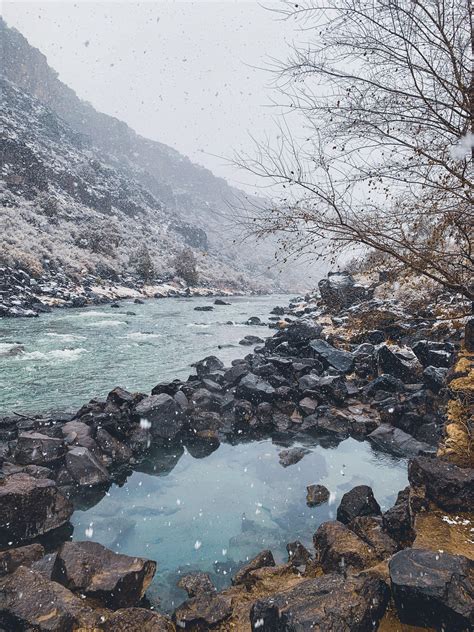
(210, 513)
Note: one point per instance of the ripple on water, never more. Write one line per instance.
(107, 323)
(56, 354)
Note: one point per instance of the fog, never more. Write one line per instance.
(193, 75)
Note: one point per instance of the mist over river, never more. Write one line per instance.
(69, 356)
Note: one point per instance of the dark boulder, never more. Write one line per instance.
(437, 354)
(292, 456)
(204, 308)
(328, 603)
(342, 361)
(203, 612)
(340, 549)
(397, 521)
(163, 413)
(137, 620)
(208, 365)
(29, 601)
(359, 501)
(233, 375)
(385, 382)
(370, 529)
(11, 559)
(435, 378)
(447, 485)
(404, 366)
(219, 301)
(254, 320)
(30, 507)
(332, 388)
(316, 495)
(118, 581)
(196, 583)
(250, 340)
(85, 469)
(339, 291)
(398, 442)
(38, 449)
(244, 574)
(116, 450)
(298, 555)
(433, 589)
(254, 389)
(302, 331)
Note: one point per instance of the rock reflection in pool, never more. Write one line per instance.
(191, 509)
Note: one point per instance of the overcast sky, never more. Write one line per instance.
(189, 74)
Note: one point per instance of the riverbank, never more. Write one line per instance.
(23, 296)
(344, 363)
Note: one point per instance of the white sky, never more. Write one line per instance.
(188, 74)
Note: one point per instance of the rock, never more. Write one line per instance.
(204, 308)
(11, 559)
(339, 291)
(30, 507)
(339, 548)
(138, 301)
(115, 449)
(331, 357)
(254, 320)
(203, 612)
(163, 413)
(469, 335)
(431, 353)
(84, 468)
(332, 388)
(449, 486)
(235, 374)
(29, 601)
(118, 581)
(370, 529)
(308, 405)
(359, 501)
(298, 555)
(398, 442)
(278, 311)
(74, 432)
(292, 456)
(302, 331)
(404, 366)
(49, 566)
(251, 340)
(196, 583)
(316, 495)
(208, 365)
(137, 620)
(435, 378)
(38, 449)
(385, 382)
(254, 389)
(433, 589)
(244, 574)
(121, 398)
(324, 604)
(219, 301)
(397, 520)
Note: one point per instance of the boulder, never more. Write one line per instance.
(359, 501)
(137, 620)
(385, 382)
(327, 603)
(433, 589)
(253, 320)
(30, 507)
(342, 361)
(203, 612)
(118, 451)
(298, 555)
(331, 388)
(208, 365)
(235, 373)
(163, 413)
(251, 340)
(38, 449)
(435, 378)
(118, 581)
(204, 308)
(449, 486)
(402, 365)
(254, 389)
(397, 520)
(84, 468)
(370, 529)
(339, 548)
(316, 495)
(302, 331)
(29, 601)
(339, 291)
(431, 353)
(292, 456)
(244, 574)
(11, 559)
(196, 583)
(74, 432)
(398, 442)
(220, 301)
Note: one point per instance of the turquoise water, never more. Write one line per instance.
(209, 513)
(73, 355)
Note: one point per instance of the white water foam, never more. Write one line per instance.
(139, 335)
(66, 337)
(64, 355)
(107, 323)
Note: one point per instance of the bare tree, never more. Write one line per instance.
(386, 92)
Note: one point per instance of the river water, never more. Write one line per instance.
(185, 509)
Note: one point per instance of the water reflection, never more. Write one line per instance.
(190, 508)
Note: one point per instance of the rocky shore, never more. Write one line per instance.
(23, 296)
(343, 363)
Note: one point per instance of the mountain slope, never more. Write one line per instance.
(99, 174)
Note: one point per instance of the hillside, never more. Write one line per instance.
(71, 174)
